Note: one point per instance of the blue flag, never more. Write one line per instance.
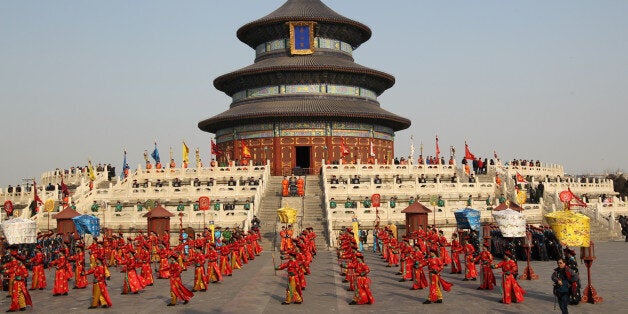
(125, 166)
(155, 154)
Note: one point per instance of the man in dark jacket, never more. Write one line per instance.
(564, 280)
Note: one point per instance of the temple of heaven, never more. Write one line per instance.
(304, 100)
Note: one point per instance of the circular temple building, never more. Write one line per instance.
(304, 99)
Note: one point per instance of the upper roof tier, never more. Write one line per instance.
(329, 24)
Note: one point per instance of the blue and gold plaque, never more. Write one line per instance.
(301, 38)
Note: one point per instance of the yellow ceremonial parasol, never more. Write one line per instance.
(572, 229)
(287, 214)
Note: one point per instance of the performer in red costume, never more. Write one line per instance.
(435, 266)
(443, 244)
(39, 277)
(80, 281)
(363, 294)
(164, 253)
(20, 297)
(177, 289)
(225, 265)
(100, 293)
(200, 279)
(511, 291)
(132, 281)
(456, 249)
(293, 291)
(471, 272)
(486, 261)
(61, 275)
(213, 271)
(419, 281)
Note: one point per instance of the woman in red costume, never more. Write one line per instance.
(486, 261)
(235, 256)
(293, 291)
(363, 294)
(200, 279)
(144, 259)
(80, 281)
(162, 272)
(435, 266)
(443, 244)
(511, 291)
(39, 276)
(177, 289)
(213, 271)
(61, 275)
(225, 265)
(471, 272)
(20, 297)
(456, 249)
(100, 294)
(132, 281)
(419, 281)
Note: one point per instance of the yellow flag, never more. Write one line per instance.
(92, 175)
(186, 153)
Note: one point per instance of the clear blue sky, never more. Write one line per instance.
(543, 80)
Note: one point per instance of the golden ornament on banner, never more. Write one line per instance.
(49, 205)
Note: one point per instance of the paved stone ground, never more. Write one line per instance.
(256, 289)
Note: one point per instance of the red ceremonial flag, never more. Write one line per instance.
(437, 148)
(520, 178)
(36, 198)
(64, 188)
(343, 148)
(467, 152)
(216, 151)
(246, 153)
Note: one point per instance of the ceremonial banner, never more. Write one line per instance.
(49, 205)
(572, 229)
(468, 218)
(8, 208)
(185, 153)
(344, 151)
(355, 227)
(437, 148)
(20, 231)
(155, 154)
(467, 152)
(216, 151)
(246, 153)
(87, 224)
(375, 199)
(204, 203)
(511, 223)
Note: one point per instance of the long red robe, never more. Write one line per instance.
(293, 291)
(213, 271)
(20, 297)
(363, 294)
(510, 287)
(456, 248)
(471, 271)
(80, 280)
(39, 276)
(177, 289)
(488, 278)
(435, 266)
(100, 293)
(61, 276)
